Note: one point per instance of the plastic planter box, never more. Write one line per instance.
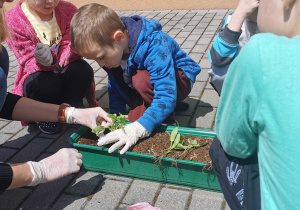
(142, 166)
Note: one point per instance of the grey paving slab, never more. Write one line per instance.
(206, 200)
(141, 191)
(203, 76)
(11, 199)
(85, 183)
(101, 89)
(100, 73)
(209, 98)
(196, 56)
(45, 194)
(13, 127)
(200, 48)
(3, 123)
(183, 120)
(172, 199)
(21, 138)
(32, 150)
(62, 141)
(205, 63)
(203, 117)
(108, 195)
(69, 202)
(197, 89)
(6, 154)
(4, 137)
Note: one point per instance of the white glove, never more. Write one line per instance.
(133, 132)
(88, 117)
(42, 54)
(62, 163)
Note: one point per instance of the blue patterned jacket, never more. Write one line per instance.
(154, 50)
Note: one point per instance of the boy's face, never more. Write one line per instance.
(108, 56)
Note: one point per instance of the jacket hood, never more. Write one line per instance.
(139, 29)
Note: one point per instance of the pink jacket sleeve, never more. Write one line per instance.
(22, 42)
(66, 54)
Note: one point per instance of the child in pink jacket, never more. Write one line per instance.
(48, 71)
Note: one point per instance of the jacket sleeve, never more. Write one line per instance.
(22, 41)
(66, 55)
(224, 49)
(23, 48)
(159, 62)
(6, 175)
(225, 46)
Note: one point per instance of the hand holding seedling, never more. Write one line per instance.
(127, 136)
(88, 117)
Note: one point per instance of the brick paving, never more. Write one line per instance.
(194, 30)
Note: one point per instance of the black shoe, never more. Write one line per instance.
(50, 127)
(181, 106)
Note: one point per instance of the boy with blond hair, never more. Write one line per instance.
(147, 70)
(259, 112)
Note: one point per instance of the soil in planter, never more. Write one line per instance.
(159, 141)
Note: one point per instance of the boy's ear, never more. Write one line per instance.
(119, 36)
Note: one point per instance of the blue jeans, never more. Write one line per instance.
(238, 178)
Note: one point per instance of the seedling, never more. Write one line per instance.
(117, 122)
(177, 143)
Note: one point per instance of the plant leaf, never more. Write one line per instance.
(180, 146)
(177, 139)
(98, 129)
(173, 134)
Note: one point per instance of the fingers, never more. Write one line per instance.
(109, 138)
(116, 146)
(125, 148)
(106, 118)
(105, 124)
(79, 162)
(78, 155)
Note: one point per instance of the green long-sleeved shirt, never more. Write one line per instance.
(259, 110)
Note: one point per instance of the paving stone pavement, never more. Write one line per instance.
(194, 30)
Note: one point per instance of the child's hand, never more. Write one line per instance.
(42, 54)
(246, 7)
(243, 10)
(129, 136)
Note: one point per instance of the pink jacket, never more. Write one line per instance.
(23, 39)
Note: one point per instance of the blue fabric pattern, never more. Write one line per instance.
(154, 50)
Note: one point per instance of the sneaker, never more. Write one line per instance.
(50, 127)
(181, 106)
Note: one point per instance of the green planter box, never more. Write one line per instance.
(142, 166)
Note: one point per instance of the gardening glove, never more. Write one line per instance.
(42, 54)
(64, 162)
(131, 134)
(88, 117)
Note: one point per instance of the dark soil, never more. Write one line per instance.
(159, 141)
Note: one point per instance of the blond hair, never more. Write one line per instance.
(94, 23)
(3, 28)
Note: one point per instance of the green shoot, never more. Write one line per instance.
(177, 143)
(117, 122)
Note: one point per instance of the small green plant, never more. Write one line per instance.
(177, 143)
(117, 122)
